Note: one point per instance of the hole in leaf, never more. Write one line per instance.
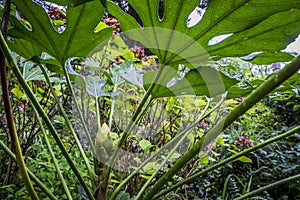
(251, 56)
(123, 4)
(131, 11)
(218, 39)
(182, 70)
(161, 10)
(197, 14)
(204, 4)
(56, 13)
(22, 18)
(294, 46)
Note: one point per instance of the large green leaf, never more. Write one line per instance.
(74, 2)
(33, 53)
(79, 38)
(252, 26)
(200, 81)
(25, 48)
(255, 25)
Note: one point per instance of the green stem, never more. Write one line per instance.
(268, 187)
(41, 112)
(228, 160)
(136, 116)
(112, 108)
(32, 176)
(251, 100)
(225, 186)
(69, 125)
(61, 177)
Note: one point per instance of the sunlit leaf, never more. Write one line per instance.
(145, 144)
(201, 81)
(131, 74)
(244, 159)
(31, 73)
(17, 91)
(250, 26)
(205, 160)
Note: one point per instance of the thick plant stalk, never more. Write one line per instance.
(41, 112)
(8, 109)
(60, 175)
(32, 176)
(268, 187)
(251, 100)
(69, 124)
(228, 160)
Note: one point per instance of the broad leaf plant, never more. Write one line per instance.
(264, 28)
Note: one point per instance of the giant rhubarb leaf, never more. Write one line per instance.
(250, 25)
(254, 25)
(79, 38)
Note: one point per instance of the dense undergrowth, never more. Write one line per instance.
(262, 167)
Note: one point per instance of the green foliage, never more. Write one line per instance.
(251, 34)
(267, 164)
(78, 40)
(203, 81)
(39, 161)
(148, 107)
(268, 58)
(261, 22)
